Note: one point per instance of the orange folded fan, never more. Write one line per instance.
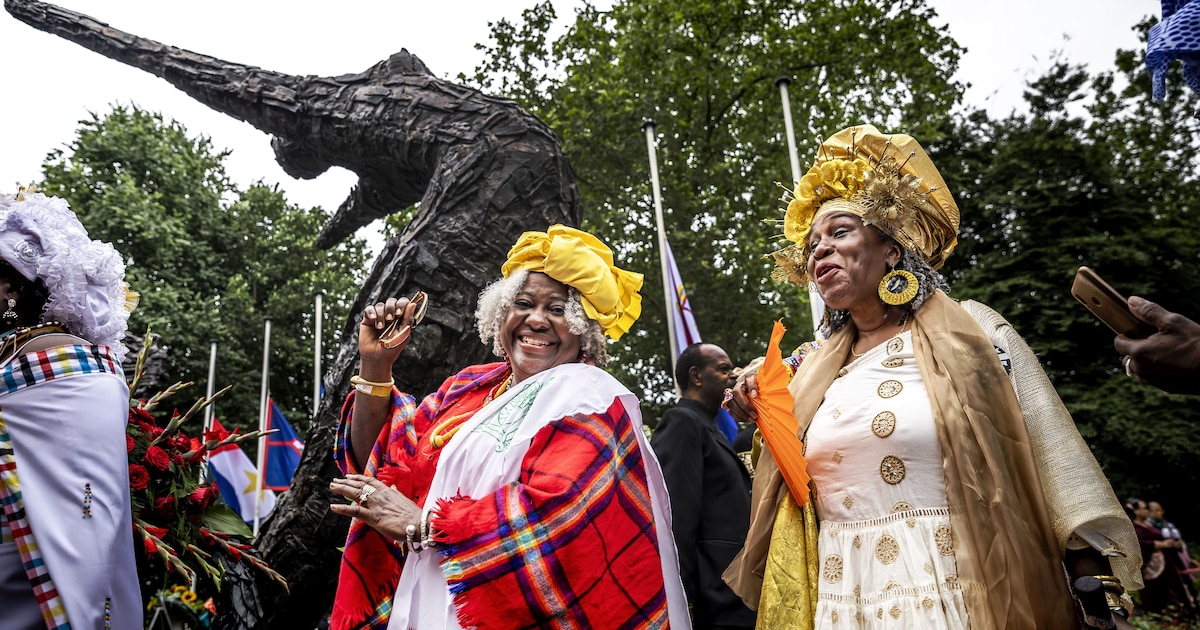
(777, 423)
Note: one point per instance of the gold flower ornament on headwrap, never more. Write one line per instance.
(580, 261)
(888, 180)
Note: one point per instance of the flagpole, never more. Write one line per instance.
(815, 303)
(262, 422)
(320, 297)
(208, 411)
(648, 127)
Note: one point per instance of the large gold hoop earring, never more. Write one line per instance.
(891, 292)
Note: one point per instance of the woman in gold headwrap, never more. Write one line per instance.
(948, 482)
(523, 493)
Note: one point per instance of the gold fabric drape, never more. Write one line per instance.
(793, 560)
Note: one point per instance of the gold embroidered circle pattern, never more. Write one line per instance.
(902, 506)
(833, 617)
(928, 568)
(892, 469)
(857, 542)
(892, 362)
(879, 613)
(895, 344)
(890, 388)
(927, 603)
(887, 549)
(944, 540)
(833, 569)
(895, 612)
(883, 424)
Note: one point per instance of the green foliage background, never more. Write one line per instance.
(211, 261)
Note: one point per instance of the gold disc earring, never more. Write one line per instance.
(892, 293)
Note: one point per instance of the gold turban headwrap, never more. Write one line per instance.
(580, 261)
(888, 180)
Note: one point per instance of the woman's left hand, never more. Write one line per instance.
(385, 509)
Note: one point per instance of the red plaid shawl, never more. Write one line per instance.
(570, 544)
(371, 564)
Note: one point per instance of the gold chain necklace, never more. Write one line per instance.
(437, 439)
(903, 321)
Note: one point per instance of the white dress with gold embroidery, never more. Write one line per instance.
(886, 549)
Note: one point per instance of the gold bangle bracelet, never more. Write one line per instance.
(371, 388)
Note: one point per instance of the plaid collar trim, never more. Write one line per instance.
(58, 362)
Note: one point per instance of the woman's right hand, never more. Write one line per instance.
(740, 406)
(375, 364)
(375, 318)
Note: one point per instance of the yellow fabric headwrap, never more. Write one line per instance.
(928, 226)
(579, 260)
(888, 180)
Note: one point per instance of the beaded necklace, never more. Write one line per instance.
(15, 338)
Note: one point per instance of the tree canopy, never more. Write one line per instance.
(210, 260)
(1102, 176)
(1095, 174)
(706, 72)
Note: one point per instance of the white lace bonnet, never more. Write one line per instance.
(42, 238)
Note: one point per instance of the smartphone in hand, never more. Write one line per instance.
(1109, 306)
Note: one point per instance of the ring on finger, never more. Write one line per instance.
(365, 493)
(1126, 360)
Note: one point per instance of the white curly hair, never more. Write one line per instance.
(499, 296)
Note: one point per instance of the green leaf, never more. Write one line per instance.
(220, 518)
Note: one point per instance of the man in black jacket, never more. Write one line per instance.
(709, 487)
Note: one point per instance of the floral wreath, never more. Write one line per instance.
(188, 535)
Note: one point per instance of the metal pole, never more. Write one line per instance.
(212, 377)
(317, 317)
(815, 303)
(668, 292)
(208, 411)
(262, 422)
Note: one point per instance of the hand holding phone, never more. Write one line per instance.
(1108, 305)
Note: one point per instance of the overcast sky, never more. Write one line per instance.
(50, 83)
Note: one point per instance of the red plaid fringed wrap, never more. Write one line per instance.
(371, 564)
(570, 544)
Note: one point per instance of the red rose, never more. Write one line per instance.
(129, 443)
(165, 506)
(149, 430)
(157, 458)
(140, 415)
(139, 478)
(203, 496)
(181, 442)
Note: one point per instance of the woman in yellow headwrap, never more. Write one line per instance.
(948, 482)
(522, 493)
